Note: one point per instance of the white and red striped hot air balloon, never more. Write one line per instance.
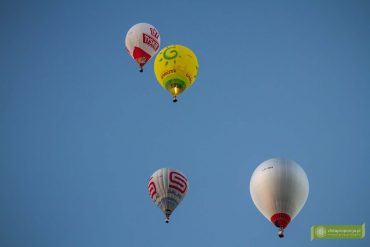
(167, 187)
(142, 42)
(279, 189)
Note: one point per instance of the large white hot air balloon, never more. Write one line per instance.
(279, 189)
(142, 42)
(167, 187)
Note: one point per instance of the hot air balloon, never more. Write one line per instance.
(142, 42)
(176, 68)
(279, 189)
(167, 187)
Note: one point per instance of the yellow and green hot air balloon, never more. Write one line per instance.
(176, 68)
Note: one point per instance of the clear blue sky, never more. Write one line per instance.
(81, 130)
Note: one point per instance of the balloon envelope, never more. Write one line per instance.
(142, 42)
(167, 187)
(176, 68)
(279, 189)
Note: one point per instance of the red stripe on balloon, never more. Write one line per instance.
(152, 188)
(178, 182)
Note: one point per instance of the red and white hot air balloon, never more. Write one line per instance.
(142, 42)
(279, 189)
(167, 187)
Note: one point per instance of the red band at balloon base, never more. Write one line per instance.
(280, 220)
(140, 56)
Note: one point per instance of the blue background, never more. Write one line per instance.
(81, 130)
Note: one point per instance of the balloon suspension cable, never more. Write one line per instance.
(167, 214)
(281, 232)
